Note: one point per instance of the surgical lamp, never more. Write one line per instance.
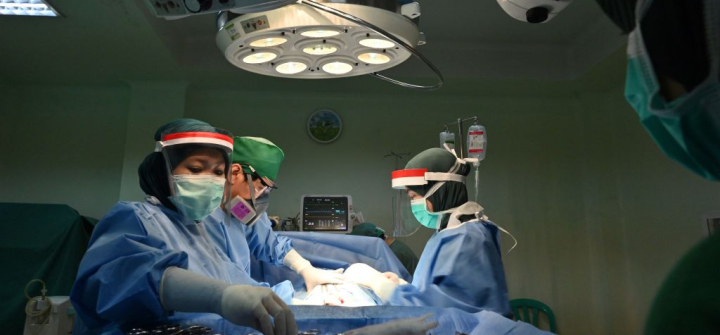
(312, 39)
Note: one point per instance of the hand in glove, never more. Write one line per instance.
(415, 326)
(310, 274)
(250, 306)
(393, 277)
(365, 275)
(256, 307)
(314, 276)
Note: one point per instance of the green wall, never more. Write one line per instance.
(63, 144)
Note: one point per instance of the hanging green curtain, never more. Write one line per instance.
(38, 241)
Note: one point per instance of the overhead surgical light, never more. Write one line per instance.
(337, 67)
(320, 49)
(259, 57)
(268, 42)
(377, 43)
(311, 39)
(319, 33)
(290, 68)
(373, 58)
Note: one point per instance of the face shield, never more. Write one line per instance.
(198, 170)
(249, 211)
(412, 211)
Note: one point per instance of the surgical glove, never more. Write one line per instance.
(365, 275)
(314, 276)
(244, 305)
(415, 326)
(311, 275)
(395, 278)
(257, 307)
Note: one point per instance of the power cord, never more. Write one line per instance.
(38, 307)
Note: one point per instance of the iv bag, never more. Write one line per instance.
(448, 138)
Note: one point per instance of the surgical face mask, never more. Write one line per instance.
(421, 212)
(196, 196)
(687, 129)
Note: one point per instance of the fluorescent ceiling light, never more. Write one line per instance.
(27, 8)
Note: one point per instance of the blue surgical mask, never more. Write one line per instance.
(423, 215)
(687, 129)
(197, 196)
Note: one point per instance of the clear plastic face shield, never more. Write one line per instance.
(259, 188)
(412, 208)
(198, 171)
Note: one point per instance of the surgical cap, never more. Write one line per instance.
(264, 156)
(153, 174)
(451, 194)
(367, 229)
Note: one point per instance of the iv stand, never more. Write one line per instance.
(460, 128)
(398, 157)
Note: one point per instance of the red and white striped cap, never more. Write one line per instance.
(199, 137)
(418, 177)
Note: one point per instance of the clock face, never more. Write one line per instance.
(324, 126)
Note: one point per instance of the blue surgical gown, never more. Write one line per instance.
(460, 267)
(239, 241)
(118, 281)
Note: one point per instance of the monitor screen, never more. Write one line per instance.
(325, 214)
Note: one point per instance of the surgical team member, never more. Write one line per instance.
(255, 166)
(153, 261)
(401, 250)
(461, 265)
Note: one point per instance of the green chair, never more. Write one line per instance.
(528, 305)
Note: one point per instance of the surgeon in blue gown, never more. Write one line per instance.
(255, 166)
(461, 265)
(153, 261)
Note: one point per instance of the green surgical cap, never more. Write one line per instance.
(367, 229)
(434, 160)
(264, 156)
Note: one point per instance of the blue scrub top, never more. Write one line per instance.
(239, 241)
(462, 268)
(118, 281)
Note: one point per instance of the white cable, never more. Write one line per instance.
(43, 312)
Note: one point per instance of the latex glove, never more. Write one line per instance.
(365, 275)
(250, 306)
(393, 277)
(415, 326)
(256, 307)
(312, 276)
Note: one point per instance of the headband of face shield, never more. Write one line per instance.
(410, 218)
(198, 170)
(249, 211)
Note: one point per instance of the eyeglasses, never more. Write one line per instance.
(267, 184)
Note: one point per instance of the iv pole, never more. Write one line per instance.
(460, 128)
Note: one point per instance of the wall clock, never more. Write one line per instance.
(324, 126)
